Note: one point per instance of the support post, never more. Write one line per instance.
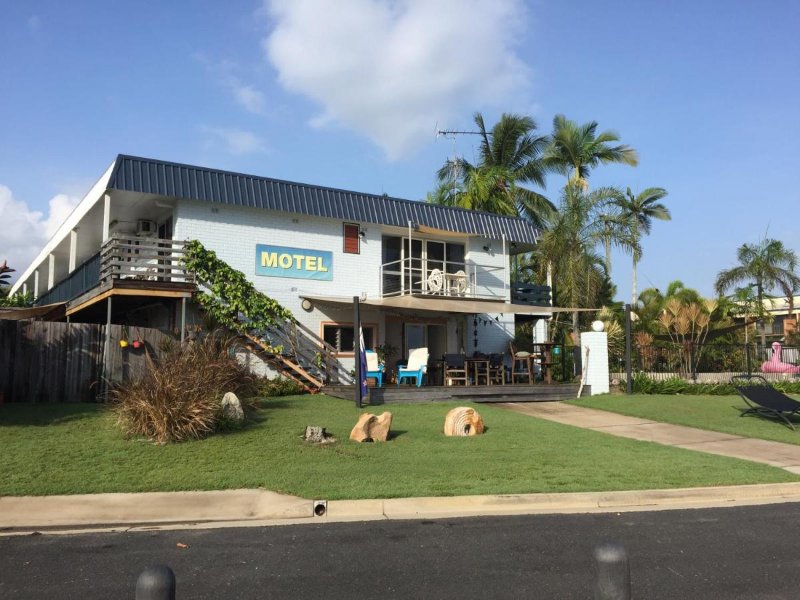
(51, 271)
(628, 370)
(156, 583)
(73, 250)
(106, 216)
(613, 572)
(36, 284)
(107, 348)
(357, 350)
(183, 319)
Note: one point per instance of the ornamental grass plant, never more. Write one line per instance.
(178, 397)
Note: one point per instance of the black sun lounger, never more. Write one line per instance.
(763, 399)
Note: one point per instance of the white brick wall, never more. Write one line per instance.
(233, 233)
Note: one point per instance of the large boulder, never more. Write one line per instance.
(463, 421)
(372, 428)
(232, 408)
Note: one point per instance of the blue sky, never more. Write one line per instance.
(349, 94)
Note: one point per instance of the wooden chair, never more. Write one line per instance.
(521, 363)
(455, 369)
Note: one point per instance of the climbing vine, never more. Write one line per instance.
(231, 299)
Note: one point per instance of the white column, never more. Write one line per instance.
(73, 250)
(106, 216)
(594, 355)
(51, 271)
(36, 283)
(25, 288)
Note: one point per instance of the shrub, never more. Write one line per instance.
(643, 384)
(178, 397)
(280, 386)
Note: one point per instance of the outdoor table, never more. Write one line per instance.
(480, 368)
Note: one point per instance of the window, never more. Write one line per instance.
(341, 336)
(352, 238)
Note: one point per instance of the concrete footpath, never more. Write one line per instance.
(776, 454)
(248, 508)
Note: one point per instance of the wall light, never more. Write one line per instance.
(306, 304)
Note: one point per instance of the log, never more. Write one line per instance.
(372, 428)
(463, 421)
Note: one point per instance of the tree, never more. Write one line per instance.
(640, 210)
(569, 246)
(767, 265)
(510, 155)
(4, 274)
(575, 150)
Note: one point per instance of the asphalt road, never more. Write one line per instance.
(751, 552)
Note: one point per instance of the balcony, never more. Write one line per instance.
(143, 259)
(129, 260)
(414, 276)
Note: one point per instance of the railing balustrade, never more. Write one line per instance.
(414, 276)
(143, 259)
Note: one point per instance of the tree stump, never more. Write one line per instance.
(371, 428)
(463, 421)
(318, 435)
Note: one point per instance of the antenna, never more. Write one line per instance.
(454, 163)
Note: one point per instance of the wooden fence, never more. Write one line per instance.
(43, 361)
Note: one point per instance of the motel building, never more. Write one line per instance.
(425, 275)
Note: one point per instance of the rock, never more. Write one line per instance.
(317, 435)
(463, 421)
(232, 408)
(371, 428)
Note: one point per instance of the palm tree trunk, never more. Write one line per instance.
(608, 256)
(633, 288)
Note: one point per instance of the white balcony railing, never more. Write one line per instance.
(414, 276)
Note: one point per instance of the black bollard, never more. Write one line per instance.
(156, 583)
(613, 572)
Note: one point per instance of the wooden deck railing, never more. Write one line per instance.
(144, 259)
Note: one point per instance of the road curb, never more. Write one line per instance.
(261, 508)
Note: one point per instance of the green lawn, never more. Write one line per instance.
(715, 413)
(64, 449)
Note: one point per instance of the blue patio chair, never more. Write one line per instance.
(416, 367)
(374, 367)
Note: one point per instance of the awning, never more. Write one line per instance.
(451, 305)
(46, 312)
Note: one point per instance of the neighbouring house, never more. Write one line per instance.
(425, 275)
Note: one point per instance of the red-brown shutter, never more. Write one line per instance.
(351, 238)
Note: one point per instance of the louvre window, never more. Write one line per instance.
(341, 336)
(352, 238)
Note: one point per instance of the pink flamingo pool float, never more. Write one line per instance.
(774, 364)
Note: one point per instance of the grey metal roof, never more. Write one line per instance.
(149, 176)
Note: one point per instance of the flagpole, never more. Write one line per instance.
(358, 350)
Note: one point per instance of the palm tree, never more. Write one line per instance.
(509, 155)
(641, 210)
(575, 150)
(569, 246)
(767, 265)
(617, 229)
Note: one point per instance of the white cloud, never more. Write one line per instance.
(24, 231)
(392, 69)
(250, 98)
(236, 141)
(245, 95)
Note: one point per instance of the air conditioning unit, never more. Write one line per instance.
(145, 228)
